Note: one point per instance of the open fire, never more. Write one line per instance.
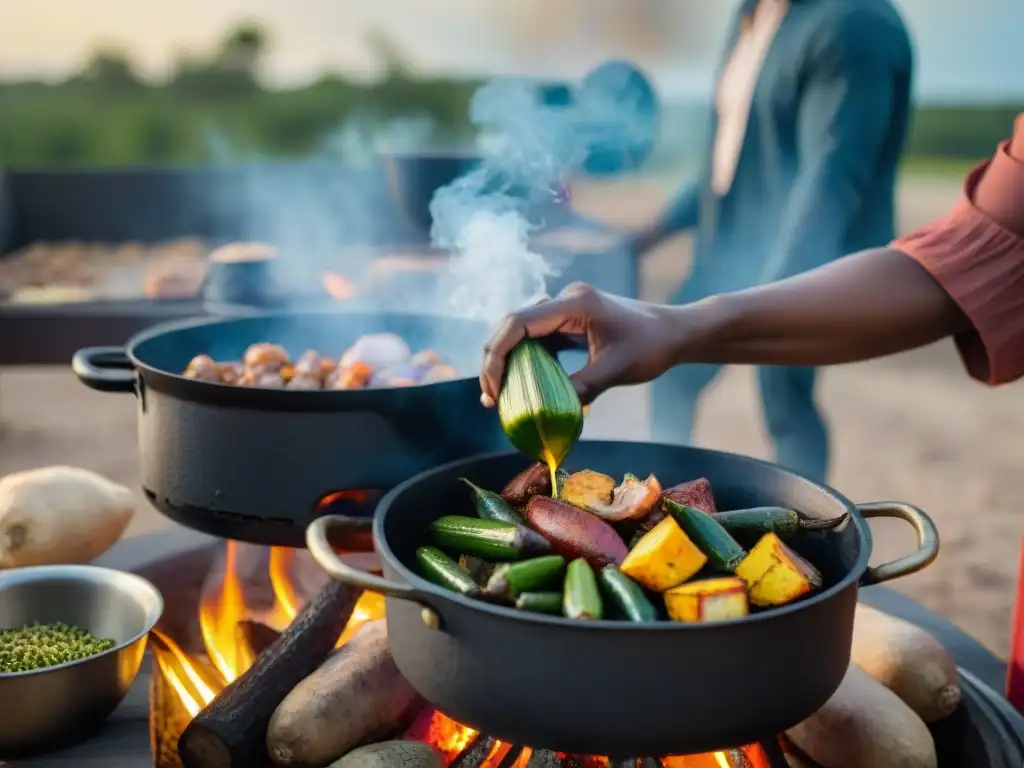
(185, 682)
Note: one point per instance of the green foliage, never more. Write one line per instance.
(961, 132)
(215, 108)
(90, 121)
(212, 106)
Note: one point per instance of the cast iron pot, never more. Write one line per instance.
(612, 687)
(254, 464)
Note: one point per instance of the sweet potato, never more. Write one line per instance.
(392, 754)
(908, 661)
(865, 725)
(664, 557)
(775, 574)
(59, 514)
(574, 533)
(356, 695)
(696, 493)
(535, 480)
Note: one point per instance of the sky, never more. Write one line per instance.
(966, 48)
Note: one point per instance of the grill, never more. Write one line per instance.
(199, 208)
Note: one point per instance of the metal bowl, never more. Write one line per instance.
(56, 706)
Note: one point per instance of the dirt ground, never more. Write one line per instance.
(911, 428)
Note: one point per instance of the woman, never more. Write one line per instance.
(961, 275)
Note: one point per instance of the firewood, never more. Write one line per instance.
(257, 635)
(231, 731)
(167, 719)
(355, 696)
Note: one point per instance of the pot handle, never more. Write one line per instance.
(321, 551)
(106, 369)
(927, 541)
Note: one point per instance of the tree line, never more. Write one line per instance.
(214, 108)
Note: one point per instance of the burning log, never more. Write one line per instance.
(357, 695)
(256, 635)
(231, 731)
(168, 718)
(475, 752)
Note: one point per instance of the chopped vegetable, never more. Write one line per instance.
(37, 646)
(775, 574)
(627, 595)
(723, 551)
(574, 533)
(665, 557)
(478, 569)
(787, 523)
(539, 409)
(719, 599)
(540, 602)
(445, 572)
(486, 538)
(582, 598)
(696, 493)
(597, 493)
(535, 480)
(509, 581)
(586, 488)
(490, 506)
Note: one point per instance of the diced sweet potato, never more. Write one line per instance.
(775, 574)
(696, 493)
(708, 600)
(664, 557)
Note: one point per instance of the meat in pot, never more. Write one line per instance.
(377, 360)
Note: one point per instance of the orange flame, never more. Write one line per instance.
(219, 616)
(197, 682)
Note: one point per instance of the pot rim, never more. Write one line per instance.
(422, 586)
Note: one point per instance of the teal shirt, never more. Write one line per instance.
(816, 174)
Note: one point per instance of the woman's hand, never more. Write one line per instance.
(630, 342)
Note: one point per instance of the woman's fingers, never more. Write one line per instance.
(542, 319)
(597, 375)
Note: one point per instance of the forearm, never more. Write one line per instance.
(863, 306)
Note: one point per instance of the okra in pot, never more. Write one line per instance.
(586, 609)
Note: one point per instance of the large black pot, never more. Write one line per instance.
(254, 464)
(617, 688)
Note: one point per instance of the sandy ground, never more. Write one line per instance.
(912, 428)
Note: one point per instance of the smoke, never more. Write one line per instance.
(532, 138)
(312, 211)
(484, 218)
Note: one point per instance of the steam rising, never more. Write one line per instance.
(531, 138)
(482, 219)
(529, 145)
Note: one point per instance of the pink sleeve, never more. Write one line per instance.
(977, 255)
